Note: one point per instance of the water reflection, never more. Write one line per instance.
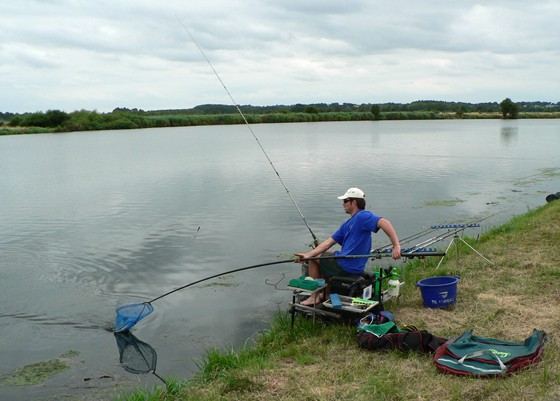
(136, 356)
(508, 135)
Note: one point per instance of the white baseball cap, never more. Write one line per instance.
(353, 193)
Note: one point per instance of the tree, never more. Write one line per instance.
(509, 109)
(297, 108)
(55, 118)
(15, 121)
(375, 110)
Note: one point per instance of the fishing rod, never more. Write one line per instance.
(412, 237)
(408, 239)
(222, 274)
(424, 243)
(453, 230)
(130, 314)
(315, 240)
(437, 238)
(377, 255)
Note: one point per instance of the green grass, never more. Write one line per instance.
(321, 361)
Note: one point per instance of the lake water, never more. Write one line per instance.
(94, 220)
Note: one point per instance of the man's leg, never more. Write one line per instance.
(314, 272)
(314, 269)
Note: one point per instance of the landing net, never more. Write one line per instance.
(130, 314)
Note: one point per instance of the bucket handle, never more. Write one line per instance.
(418, 284)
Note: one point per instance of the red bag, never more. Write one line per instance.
(470, 355)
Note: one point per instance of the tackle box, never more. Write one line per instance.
(352, 305)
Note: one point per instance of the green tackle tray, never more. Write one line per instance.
(309, 285)
(296, 282)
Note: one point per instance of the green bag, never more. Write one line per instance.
(470, 355)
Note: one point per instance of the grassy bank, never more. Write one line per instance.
(93, 121)
(506, 300)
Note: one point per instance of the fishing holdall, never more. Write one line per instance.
(420, 340)
(376, 333)
(470, 355)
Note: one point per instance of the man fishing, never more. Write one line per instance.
(354, 236)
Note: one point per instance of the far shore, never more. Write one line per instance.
(93, 121)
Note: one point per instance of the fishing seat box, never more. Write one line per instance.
(351, 286)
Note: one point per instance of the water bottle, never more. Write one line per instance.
(394, 284)
(377, 285)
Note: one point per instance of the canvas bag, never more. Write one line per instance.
(470, 355)
(418, 340)
(377, 336)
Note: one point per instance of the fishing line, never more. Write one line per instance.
(315, 240)
(281, 278)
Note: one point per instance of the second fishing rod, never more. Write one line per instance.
(315, 240)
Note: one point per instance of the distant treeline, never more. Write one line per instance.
(217, 114)
(420, 105)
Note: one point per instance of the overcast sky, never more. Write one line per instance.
(102, 54)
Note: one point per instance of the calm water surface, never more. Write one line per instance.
(94, 220)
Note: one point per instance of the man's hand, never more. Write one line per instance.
(396, 252)
(299, 257)
(323, 247)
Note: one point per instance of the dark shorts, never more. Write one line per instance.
(330, 268)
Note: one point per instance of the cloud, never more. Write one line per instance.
(74, 54)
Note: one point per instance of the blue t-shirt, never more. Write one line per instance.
(354, 236)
